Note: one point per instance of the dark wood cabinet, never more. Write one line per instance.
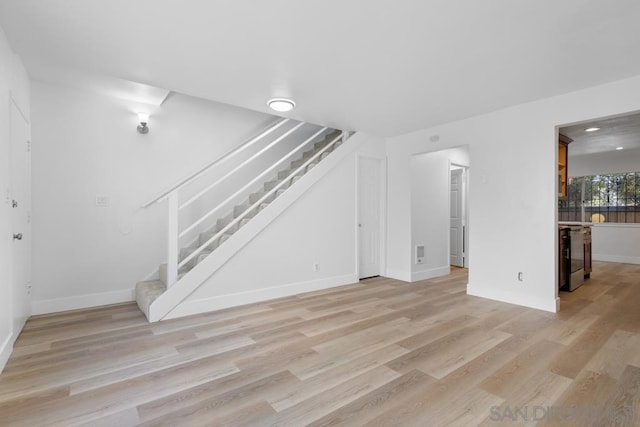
(563, 257)
(564, 254)
(587, 252)
(563, 163)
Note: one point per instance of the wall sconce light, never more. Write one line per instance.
(144, 120)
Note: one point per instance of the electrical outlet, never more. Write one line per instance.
(520, 276)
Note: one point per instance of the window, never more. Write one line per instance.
(610, 198)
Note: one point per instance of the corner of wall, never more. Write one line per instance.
(5, 351)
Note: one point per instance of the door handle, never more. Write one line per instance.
(17, 236)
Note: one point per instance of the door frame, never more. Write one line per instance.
(382, 256)
(465, 210)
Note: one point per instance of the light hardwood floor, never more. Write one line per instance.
(380, 352)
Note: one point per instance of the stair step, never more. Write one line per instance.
(254, 197)
(205, 236)
(147, 292)
(239, 209)
(285, 173)
(296, 164)
(262, 206)
(324, 155)
(185, 252)
(310, 166)
(224, 238)
(201, 256)
(270, 185)
(320, 144)
(309, 154)
(223, 222)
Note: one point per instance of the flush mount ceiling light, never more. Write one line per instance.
(281, 105)
(619, 148)
(591, 129)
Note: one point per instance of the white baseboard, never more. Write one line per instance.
(5, 351)
(81, 301)
(430, 273)
(550, 305)
(204, 305)
(616, 258)
(405, 276)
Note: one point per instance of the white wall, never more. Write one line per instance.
(318, 228)
(512, 197)
(14, 83)
(602, 163)
(85, 144)
(430, 217)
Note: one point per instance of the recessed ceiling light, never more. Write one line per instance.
(281, 104)
(619, 148)
(591, 129)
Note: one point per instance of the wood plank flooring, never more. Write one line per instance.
(377, 353)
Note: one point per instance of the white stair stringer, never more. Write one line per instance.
(162, 307)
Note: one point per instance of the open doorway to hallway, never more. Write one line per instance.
(439, 226)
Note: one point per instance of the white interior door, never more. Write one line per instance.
(20, 218)
(456, 234)
(369, 171)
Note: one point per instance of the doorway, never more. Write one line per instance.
(434, 236)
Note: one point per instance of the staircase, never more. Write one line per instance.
(211, 238)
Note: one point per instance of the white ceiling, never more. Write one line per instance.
(381, 66)
(622, 131)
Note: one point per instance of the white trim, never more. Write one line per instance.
(398, 275)
(249, 297)
(81, 301)
(616, 258)
(550, 305)
(430, 273)
(6, 350)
